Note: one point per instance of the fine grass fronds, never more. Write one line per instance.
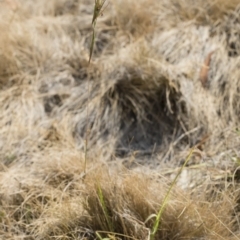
(130, 198)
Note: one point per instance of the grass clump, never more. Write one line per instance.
(129, 201)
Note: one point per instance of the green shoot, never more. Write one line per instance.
(165, 200)
(104, 208)
(96, 13)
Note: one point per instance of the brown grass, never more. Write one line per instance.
(146, 108)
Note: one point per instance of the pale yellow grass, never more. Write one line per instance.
(146, 108)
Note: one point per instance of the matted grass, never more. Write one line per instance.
(163, 78)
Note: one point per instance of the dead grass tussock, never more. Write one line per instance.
(145, 105)
(122, 205)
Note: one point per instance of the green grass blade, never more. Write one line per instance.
(92, 43)
(104, 208)
(159, 215)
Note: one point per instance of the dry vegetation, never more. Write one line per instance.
(164, 78)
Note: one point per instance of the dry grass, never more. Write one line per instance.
(164, 77)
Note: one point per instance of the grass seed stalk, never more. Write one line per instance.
(98, 10)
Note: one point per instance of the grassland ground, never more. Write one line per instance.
(163, 79)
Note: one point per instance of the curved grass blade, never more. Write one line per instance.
(165, 200)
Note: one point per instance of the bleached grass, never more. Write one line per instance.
(146, 108)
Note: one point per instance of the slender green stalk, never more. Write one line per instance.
(104, 208)
(161, 210)
(92, 42)
(96, 13)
